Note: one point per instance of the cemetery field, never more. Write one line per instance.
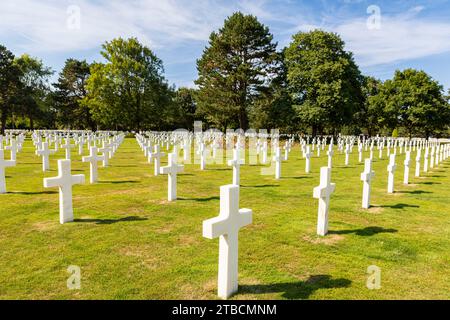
(131, 243)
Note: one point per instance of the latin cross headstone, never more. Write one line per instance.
(172, 170)
(93, 160)
(236, 163)
(308, 159)
(65, 180)
(367, 177)
(13, 148)
(418, 159)
(156, 157)
(407, 163)
(4, 164)
(45, 152)
(347, 154)
(391, 170)
(330, 153)
(277, 160)
(226, 226)
(323, 192)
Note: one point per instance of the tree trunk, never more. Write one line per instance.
(3, 123)
(243, 121)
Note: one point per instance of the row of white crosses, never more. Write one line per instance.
(65, 180)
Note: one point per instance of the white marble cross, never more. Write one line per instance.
(418, 159)
(347, 153)
(236, 164)
(203, 152)
(106, 151)
(407, 163)
(360, 151)
(65, 180)
(172, 169)
(93, 160)
(391, 169)
(45, 152)
(330, 154)
(13, 147)
(67, 146)
(323, 192)
(367, 177)
(226, 226)
(425, 160)
(4, 164)
(263, 154)
(156, 156)
(308, 159)
(277, 160)
(431, 164)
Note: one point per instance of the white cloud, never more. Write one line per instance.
(402, 37)
(42, 26)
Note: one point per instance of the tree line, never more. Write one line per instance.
(312, 86)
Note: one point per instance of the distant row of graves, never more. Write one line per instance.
(203, 148)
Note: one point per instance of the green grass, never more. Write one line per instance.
(131, 244)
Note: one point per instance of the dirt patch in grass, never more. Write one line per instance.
(328, 240)
(144, 254)
(187, 240)
(375, 210)
(45, 226)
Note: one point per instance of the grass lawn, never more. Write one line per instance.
(130, 243)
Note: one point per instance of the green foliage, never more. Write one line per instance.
(273, 108)
(395, 133)
(414, 101)
(10, 85)
(70, 90)
(324, 80)
(129, 90)
(233, 70)
(186, 108)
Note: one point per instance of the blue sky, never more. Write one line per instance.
(409, 34)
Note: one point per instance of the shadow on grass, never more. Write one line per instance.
(32, 193)
(365, 232)
(430, 183)
(120, 181)
(125, 166)
(111, 221)
(200, 199)
(297, 178)
(415, 192)
(297, 290)
(261, 186)
(398, 206)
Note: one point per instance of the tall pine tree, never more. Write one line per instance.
(236, 66)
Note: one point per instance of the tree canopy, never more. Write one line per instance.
(235, 67)
(312, 86)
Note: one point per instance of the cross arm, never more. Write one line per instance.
(78, 179)
(214, 227)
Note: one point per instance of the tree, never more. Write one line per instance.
(273, 108)
(129, 90)
(70, 90)
(414, 101)
(34, 76)
(9, 85)
(235, 67)
(370, 115)
(187, 107)
(325, 82)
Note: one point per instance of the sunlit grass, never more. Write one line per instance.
(132, 244)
